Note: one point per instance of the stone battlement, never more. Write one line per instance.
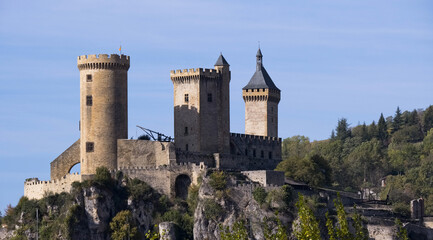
(194, 73)
(257, 139)
(36, 189)
(103, 61)
(157, 168)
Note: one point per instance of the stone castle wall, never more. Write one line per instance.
(144, 153)
(266, 177)
(163, 178)
(65, 161)
(35, 189)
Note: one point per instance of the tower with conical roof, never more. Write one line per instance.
(261, 98)
(201, 108)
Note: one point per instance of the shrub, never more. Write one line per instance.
(218, 180)
(103, 177)
(212, 210)
(123, 227)
(401, 208)
(139, 190)
(192, 198)
(259, 194)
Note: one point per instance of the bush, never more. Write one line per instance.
(103, 177)
(218, 180)
(139, 190)
(192, 198)
(402, 209)
(259, 194)
(212, 210)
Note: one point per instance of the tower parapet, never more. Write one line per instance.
(103, 61)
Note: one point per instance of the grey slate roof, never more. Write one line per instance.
(261, 78)
(221, 61)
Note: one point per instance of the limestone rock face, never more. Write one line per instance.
(237, 203)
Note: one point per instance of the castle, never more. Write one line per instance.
(201, 129)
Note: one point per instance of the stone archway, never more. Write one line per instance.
(76, 168)
(181, 186)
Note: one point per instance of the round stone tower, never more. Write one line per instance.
(103, 109)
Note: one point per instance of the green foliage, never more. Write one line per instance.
(427, 143)
(428, 119)
(237, 232)
(401, 231)
(139, 190)
(397, 122)
(341, 230)
(259, 194)
(143, 137)
(122, 226)
(382, 129)
(103, 177)
(153, 235)
(192, 199)
(212, 210)
(314, 170)
(343, 130)
(307, 227)
(218, 180)
(401, 209)
(183, 220)
(296, 146)
(361, 232)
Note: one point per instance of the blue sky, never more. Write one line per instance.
(331, 59)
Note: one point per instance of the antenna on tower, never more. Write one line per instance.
(259, 44)
(120, 49)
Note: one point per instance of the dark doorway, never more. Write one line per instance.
(181, 186)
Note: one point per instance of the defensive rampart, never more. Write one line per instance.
(259, 152)
(35, 189)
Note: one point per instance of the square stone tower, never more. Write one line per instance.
(261, 98)
(202, 108)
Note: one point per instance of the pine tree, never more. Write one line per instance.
(372, 130)
(382, 128)
(397, 121)
(428, 119)
(343, 130)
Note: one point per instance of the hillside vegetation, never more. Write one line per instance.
(397, 149)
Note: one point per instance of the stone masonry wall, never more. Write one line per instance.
(144, 153)
(65, 161)
(266, 177)
(35, 189)
(163, 178)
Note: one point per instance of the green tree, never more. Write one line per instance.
(401, 231)
(122, 226)
(427, 143)
(218, 180)
(428, 119)
(397, 121)
(373, 131)
(382, 129)
(307, 228)
(296, 146)
(343, 130)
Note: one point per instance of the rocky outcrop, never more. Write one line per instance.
(236, 202)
